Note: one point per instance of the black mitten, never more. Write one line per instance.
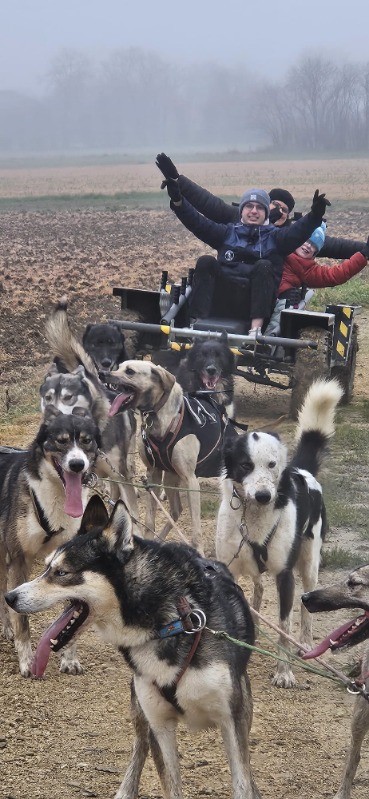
(274, 215)
(365, 250)
(166, 166)
(319, 204)
(174, 190)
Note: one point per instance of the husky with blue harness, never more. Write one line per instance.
(180, 435)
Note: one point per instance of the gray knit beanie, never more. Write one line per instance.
(256, 196)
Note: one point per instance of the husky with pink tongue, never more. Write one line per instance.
(43, 494)
(352, 593)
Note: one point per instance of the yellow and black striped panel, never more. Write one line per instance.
(342, 333)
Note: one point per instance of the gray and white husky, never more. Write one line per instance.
(72, 380)
(42, 499)
(155, 603)
(351, 592)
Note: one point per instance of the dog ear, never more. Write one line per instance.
(120, 331)
(224, 337)
(80, 371)
(50, 413)
(119, 531)
(52, 370)
(165, 378)
(86, 331)
(82, 412)
(95, 516)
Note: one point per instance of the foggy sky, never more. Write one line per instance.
(266, 36)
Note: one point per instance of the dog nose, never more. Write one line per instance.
(211, 370)
(106, 363)
(11, 598)
(76, 465)
(263, 497)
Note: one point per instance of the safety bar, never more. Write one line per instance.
(234, 339)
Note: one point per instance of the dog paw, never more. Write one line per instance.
(70, 667)
(284, 680)
(25, 669)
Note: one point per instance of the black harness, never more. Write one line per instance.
(42, 519)
(203, 418)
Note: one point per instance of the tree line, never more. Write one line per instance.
(135, 99)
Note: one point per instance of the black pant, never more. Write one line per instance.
(257, 279)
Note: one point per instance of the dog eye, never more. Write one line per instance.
(246, 467)
(67, 397)
(62, 439)
(271, 464)
(60, 573)
(129, 371)
(86, 439)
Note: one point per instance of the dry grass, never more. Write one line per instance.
(343, 179)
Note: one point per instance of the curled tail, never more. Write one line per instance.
(63, 343)
(316, 424)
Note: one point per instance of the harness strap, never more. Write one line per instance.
(185, 625)
(161, 452)
(259, 551)
(42, 518)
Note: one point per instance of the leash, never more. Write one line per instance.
(260, 551)
(353, 686)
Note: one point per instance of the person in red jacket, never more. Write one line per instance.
(302, 270)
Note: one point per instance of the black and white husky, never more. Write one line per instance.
(42, 499)
(272, 515)
(156, 603)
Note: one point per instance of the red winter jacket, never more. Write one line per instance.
(308, 272)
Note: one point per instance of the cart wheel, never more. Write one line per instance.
(346, 374)
(310, 365)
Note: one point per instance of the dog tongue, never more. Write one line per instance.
(73, 494)
(327, 642)
(43, 650)
(116, 404)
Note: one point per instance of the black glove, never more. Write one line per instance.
(173, 190)
(365, 249)
(319, 204)
(275, 214)
(166, 166)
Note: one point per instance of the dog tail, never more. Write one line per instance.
(316, 424)
(63, 344)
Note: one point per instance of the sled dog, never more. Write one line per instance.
(352, 592)
(272, 517)
(42, 498)
(155, 603)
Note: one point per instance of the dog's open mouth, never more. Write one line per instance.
(209, 381)
(124, 400)
(59, 634)
(72, 482)
(349, 634)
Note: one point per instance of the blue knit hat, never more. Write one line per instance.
(256, 196)
(318, 237)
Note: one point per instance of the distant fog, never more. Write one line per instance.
(135, 100)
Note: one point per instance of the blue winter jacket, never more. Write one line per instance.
(247, 244)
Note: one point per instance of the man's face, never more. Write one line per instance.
(253, 214)
(283, 208)
(307, 250)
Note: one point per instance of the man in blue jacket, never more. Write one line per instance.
(250, 252)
